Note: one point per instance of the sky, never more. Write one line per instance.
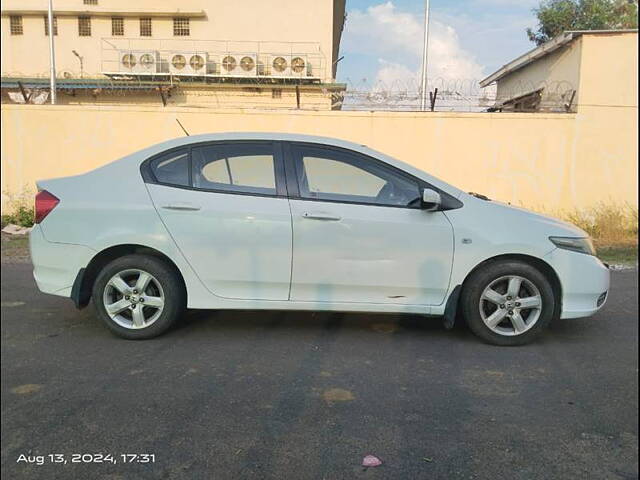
(468, 39)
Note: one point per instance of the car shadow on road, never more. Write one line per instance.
(370, 323)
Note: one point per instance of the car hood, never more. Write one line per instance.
(521, 216)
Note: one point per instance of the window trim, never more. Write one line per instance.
(286, 178)
(281, 190)
(449, 202)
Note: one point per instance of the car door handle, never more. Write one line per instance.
(321, 216)
(184, 207)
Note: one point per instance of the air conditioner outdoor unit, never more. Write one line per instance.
(238, 65)
(138, 61)
(300, 66)
(188, 63)
(147, 62)
(280, 66)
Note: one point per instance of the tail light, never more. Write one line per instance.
(45, 203)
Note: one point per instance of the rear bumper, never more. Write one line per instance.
(584, 280)
(56, 265)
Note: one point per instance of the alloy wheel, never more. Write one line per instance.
(133, 298)
(510, 305)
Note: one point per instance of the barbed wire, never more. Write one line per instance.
(445, 94)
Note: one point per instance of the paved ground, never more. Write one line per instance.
(292, 395)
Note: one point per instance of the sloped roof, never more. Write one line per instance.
(543, 50)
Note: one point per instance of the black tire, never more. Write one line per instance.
(171, 285)
(485, 276)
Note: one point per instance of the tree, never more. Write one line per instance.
(557, 16)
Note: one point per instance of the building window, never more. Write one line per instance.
(15, 25)
(90, 2)
(117, 26)
(84, 26)
(145, 27)
(181, 27)
(46, 25)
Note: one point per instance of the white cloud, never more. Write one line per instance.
(396, 39)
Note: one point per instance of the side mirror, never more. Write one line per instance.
(431, 200)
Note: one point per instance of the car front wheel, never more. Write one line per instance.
(508, 302)
(138, 296)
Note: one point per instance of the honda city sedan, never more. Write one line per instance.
(293, 222)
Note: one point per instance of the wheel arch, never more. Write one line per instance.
(544, 268)
(81, 291)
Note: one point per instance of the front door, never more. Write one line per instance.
(226, 208)
(359, 234)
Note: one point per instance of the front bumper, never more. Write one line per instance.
(56, 265)
(584, 279)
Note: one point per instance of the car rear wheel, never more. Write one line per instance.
(508, 302)
(138, 296)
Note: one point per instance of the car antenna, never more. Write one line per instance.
(182, 127)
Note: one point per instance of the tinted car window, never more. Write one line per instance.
(172, 168)
(245, 168)
(326, 174)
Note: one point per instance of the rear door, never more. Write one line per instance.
(359, 234)
(225, 206)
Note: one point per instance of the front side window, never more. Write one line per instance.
(242, 168)
(335, 175)
(172, 168)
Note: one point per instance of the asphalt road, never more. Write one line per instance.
(292, 395)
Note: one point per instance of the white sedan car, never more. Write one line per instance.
(294, 222)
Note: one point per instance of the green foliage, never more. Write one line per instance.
(21, 210)
(557, 16)
(23, 216)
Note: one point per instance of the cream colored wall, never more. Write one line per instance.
(539, 160)
(608, 112)
(557, 72)
(609, 70)
(273, 21)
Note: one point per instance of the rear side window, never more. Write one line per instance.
(172, 168)
(242, 168)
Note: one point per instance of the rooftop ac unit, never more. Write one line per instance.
(300, 66)
(280, 66)
(238, 65)
(188, 63)
(138, 61)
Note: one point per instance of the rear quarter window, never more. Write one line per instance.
(172, 168)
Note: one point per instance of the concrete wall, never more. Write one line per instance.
(556, 161)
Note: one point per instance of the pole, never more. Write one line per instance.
(423, 99)
(52, 55)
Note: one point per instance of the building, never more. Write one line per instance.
(276, 53)
(559, 75)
